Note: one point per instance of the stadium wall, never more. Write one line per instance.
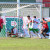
(46, 5)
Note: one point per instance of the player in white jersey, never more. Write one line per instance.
(26, 26)
(35, 26)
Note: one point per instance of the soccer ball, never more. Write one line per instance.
(20, 35)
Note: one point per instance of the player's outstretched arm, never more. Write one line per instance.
(48, 20)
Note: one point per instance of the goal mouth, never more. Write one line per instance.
(10, 11)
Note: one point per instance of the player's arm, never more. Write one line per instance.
(30, 21)
(36, 22)
(33, 21)
(48, 20)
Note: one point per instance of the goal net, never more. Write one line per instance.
(14, 15)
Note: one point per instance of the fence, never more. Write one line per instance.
(8, 11)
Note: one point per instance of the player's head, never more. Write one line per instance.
(34, 16)
(43, 19)
(28, 17)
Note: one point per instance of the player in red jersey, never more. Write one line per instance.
(45, 27)
(1, 23)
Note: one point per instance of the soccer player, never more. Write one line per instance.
(1, 23)
(35, 26)
(45, 27)
(14, 32)
(27, 26)
(29, 21)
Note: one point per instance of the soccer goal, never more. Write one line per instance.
(15, 13)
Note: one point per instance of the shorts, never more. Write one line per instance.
(34, 30)
(45, 30)
(0, 28)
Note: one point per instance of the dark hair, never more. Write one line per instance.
(34, 16)
(43, 18)
(28, 16)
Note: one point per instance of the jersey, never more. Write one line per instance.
(1, 21)
(35, 23)
(45, 25)
(30, 23)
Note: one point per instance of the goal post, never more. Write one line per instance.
(39, 11)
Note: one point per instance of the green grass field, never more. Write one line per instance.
(24, 44)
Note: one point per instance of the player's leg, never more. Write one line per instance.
(37, 30)
(43, 33)
(26, 34)
(46, 30)
(31, 31)
(38, 33)
(34, 32)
